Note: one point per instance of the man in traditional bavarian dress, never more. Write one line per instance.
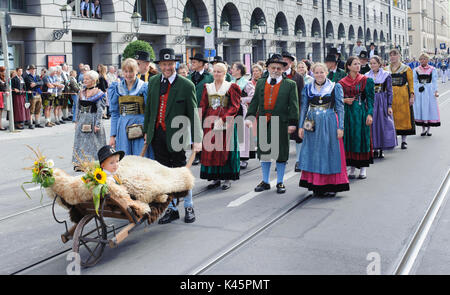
(199, 77)
(143, 60)
(128, 99)
(171, 97)
(275, 96)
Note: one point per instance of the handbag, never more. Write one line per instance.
(135, 131)
(86, 128)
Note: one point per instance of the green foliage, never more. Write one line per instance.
(133, 47)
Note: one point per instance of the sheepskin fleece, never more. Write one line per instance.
(149, 181)
(73, 191)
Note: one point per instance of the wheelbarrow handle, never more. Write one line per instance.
(191, 160)
(144, 149)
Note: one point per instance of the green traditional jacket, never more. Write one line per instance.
(207, 78)
(181, 102)
(228, 77)
(287, 110)
(336, 76)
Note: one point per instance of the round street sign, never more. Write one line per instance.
(208, 29)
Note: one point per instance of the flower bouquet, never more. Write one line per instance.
(95, 181)
(42, 172)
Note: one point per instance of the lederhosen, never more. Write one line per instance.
(159, 143)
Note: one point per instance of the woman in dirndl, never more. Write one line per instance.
(90, 133)
(220, 103)
(321, 126)
(127, 100)
(426, 107)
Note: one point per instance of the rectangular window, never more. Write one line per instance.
(350, 8)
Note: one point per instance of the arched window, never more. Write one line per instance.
(191, 12)
(146, 8)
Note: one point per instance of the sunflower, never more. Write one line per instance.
(100, 176)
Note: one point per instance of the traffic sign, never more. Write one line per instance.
(209, 37)
(443, 46)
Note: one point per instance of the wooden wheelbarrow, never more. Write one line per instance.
(90, 232)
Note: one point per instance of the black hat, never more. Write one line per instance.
(199, 57)
(142, 55)
(30, 67)
(166, 54)
(333, 50)
(372, 44)
(288, 55)
(331, 58)
(217, 59)
(276, 58)
(363, 54)
(108, 151)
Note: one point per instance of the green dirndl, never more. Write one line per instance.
(231, 169)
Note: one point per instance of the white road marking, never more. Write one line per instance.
(33, 189)
(247, 197)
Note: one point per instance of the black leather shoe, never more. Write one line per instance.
(281, 189)
(429, 134)
(31, 126)
(297, 168)
(39, 126)
(189, 215)
(62, 122)
(376, 154)
(170, 216)
(213, 185)
(381, 155)
(262, 187)
(423, 133)
(57, 123)
(226, 185)
(404, 146)
(244, 164)
(196, 161)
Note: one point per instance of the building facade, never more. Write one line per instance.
(306, 28)
(428, 26)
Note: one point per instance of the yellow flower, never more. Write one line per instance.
(35, 163)
(83, 179)
(36, 170)
(100, 176)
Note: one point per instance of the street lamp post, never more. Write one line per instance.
(263, 30)
(136, 20)
(66, 13)
(8, 94)
(187, 25)
(279, 33)
(225, 28)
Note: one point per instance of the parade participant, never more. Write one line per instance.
(358, 48)
(257, 72)
(33, 83)
(109, 160)
(90, 133)
(19, 99)
(402, 103)
(383, 129)
(275, 96)
(199, 77)
(364, 60)
(111, 76)
(339, 63)
(183, 70)
(49, 94)
(444, 68)
(322, 157)
(103, 85)
(302, 69)
(358, 98)
(335, 74)
(238, 71)
(221, 100)
(170, 97)
(426, 107)
(372, 51)
(290, 73)
(128, 100)
(219, 59)
(143, 61)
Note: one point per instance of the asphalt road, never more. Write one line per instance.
(317, 236)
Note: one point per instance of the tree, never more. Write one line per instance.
(133, 47)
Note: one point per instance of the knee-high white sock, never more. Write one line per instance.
(352, 170)
(403, 138)
(363, 171)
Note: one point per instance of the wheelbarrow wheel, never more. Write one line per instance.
(90, 239)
